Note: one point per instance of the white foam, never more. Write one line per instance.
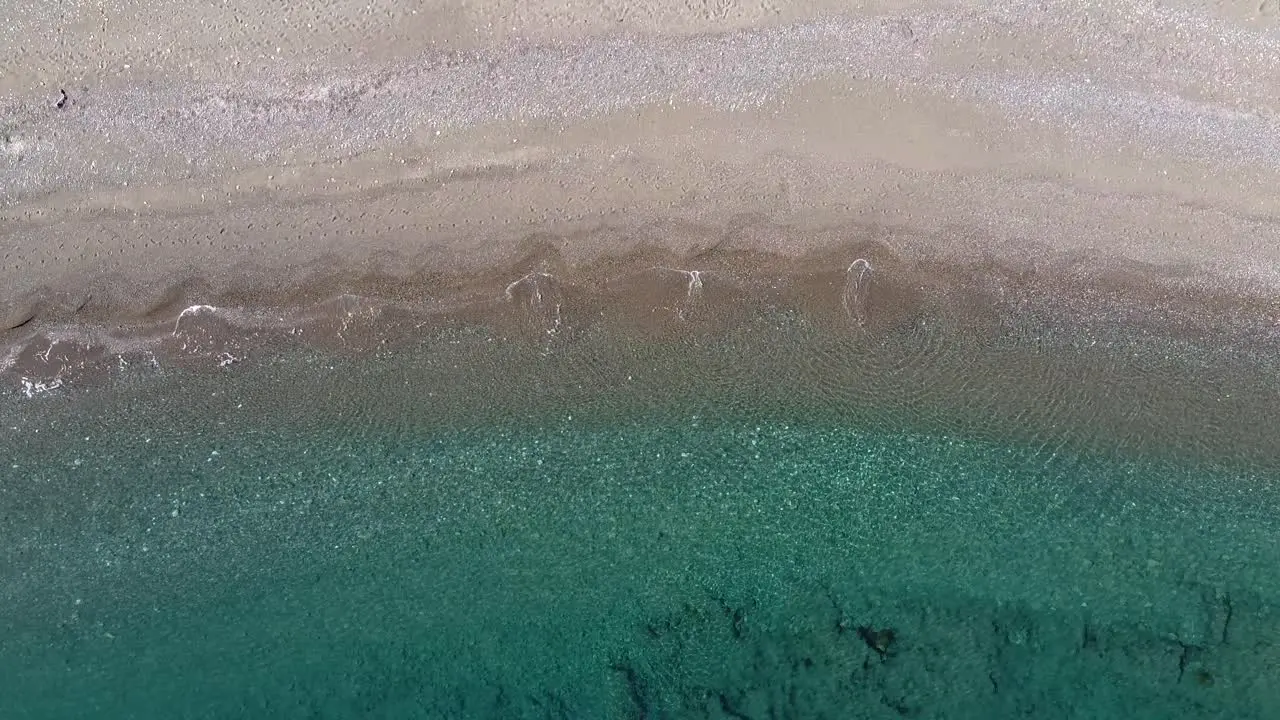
(31, 388)
(694, 288)
(547, 310)
(695, 278)
(857, 286)
(191, 310)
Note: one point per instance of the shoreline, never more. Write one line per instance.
(1117, 362)
(868, 286)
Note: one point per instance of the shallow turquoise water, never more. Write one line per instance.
(508, 532)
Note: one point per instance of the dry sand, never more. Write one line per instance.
(288, 153)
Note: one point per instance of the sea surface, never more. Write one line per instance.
(784, 518)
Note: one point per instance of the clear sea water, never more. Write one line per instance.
(766, 525)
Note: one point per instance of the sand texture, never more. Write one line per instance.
(156, 156)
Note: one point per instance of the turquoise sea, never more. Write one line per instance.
(770, 522)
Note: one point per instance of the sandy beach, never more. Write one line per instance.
(154, 160)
